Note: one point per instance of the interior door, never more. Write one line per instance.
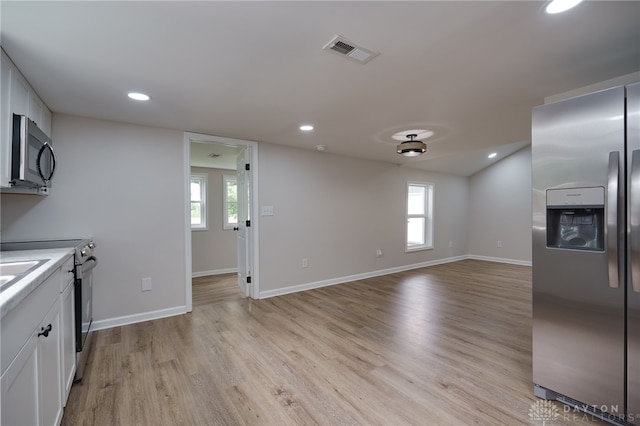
(243, 171)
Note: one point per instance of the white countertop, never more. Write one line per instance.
(13, 295)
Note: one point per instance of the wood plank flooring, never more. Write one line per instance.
(444, 345)
(215, 289)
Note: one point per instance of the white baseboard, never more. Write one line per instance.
(214, 272)
(349, 278)
(179, 310)
(132, 319)
(501, 260)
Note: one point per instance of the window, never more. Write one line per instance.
(230, 202)
(198, 201)
(419, 216)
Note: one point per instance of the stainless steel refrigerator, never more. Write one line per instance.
(586, 252)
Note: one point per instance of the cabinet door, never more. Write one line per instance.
(19, 403)
(68, 340)
(6, 74)
(49, 375)
(20, 95)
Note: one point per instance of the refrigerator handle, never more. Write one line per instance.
(634, 219)
(612, 218)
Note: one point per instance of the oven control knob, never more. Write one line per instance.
(84, 251)
(92, 246)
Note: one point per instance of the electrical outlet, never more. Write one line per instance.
(499, 244)
(305, 263)
(147, 285)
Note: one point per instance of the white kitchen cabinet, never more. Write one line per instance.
(68, 340)
(20, 387)
(6, 76)
(49, 373)
(25, 101)
(39, 113)
(20, 95)
(31, 392)
(38, 352)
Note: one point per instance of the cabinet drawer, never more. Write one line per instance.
(18, 325)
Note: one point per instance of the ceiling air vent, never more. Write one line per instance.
(350, 50)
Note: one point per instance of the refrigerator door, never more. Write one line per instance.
(579, 294)
(633, 233)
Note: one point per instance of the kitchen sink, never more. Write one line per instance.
(5, 279)
(12, 272)
(15, 268)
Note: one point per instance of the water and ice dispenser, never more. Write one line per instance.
(575, 218)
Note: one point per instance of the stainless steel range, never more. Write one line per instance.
(85, 261)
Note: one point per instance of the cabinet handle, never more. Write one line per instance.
(45, 331)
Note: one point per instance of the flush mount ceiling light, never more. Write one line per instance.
(138, 96)
(411, 147)
(559, 6)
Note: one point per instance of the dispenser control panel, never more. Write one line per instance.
(592, 196)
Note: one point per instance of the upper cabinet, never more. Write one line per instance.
(16, 97)
(6, 75)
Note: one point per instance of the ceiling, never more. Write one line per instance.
(469, 71)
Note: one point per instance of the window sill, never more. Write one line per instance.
(421, 248)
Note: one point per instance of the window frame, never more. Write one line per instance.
(427, 216)
(226, 225)
(203, 179)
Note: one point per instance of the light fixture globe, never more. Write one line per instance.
(411, 148)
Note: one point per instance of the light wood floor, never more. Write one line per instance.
(444, 345)
(216, 289)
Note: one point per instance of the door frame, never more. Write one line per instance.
(254, 287)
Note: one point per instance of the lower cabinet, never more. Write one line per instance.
(20, 387)
(38, 355)
(31, 392)
(49, 374)
(68, 341)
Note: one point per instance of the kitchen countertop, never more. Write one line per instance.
(13, 295)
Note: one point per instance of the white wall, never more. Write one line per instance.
(500, 210)
(214, 250)
(333, 210)
(336, 211)
(123, 185)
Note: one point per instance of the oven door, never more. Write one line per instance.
(33, 160)
(84, 300)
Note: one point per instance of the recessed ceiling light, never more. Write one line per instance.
(138, 96)
(559, 6)
(306, 127)
(493, 154)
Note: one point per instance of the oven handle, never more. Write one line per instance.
(89, 264)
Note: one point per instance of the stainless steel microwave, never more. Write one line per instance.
(33, 161)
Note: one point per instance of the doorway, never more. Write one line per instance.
(237, 153)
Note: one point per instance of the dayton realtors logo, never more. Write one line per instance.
(544, 411)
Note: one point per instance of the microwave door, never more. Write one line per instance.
(33, 162)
